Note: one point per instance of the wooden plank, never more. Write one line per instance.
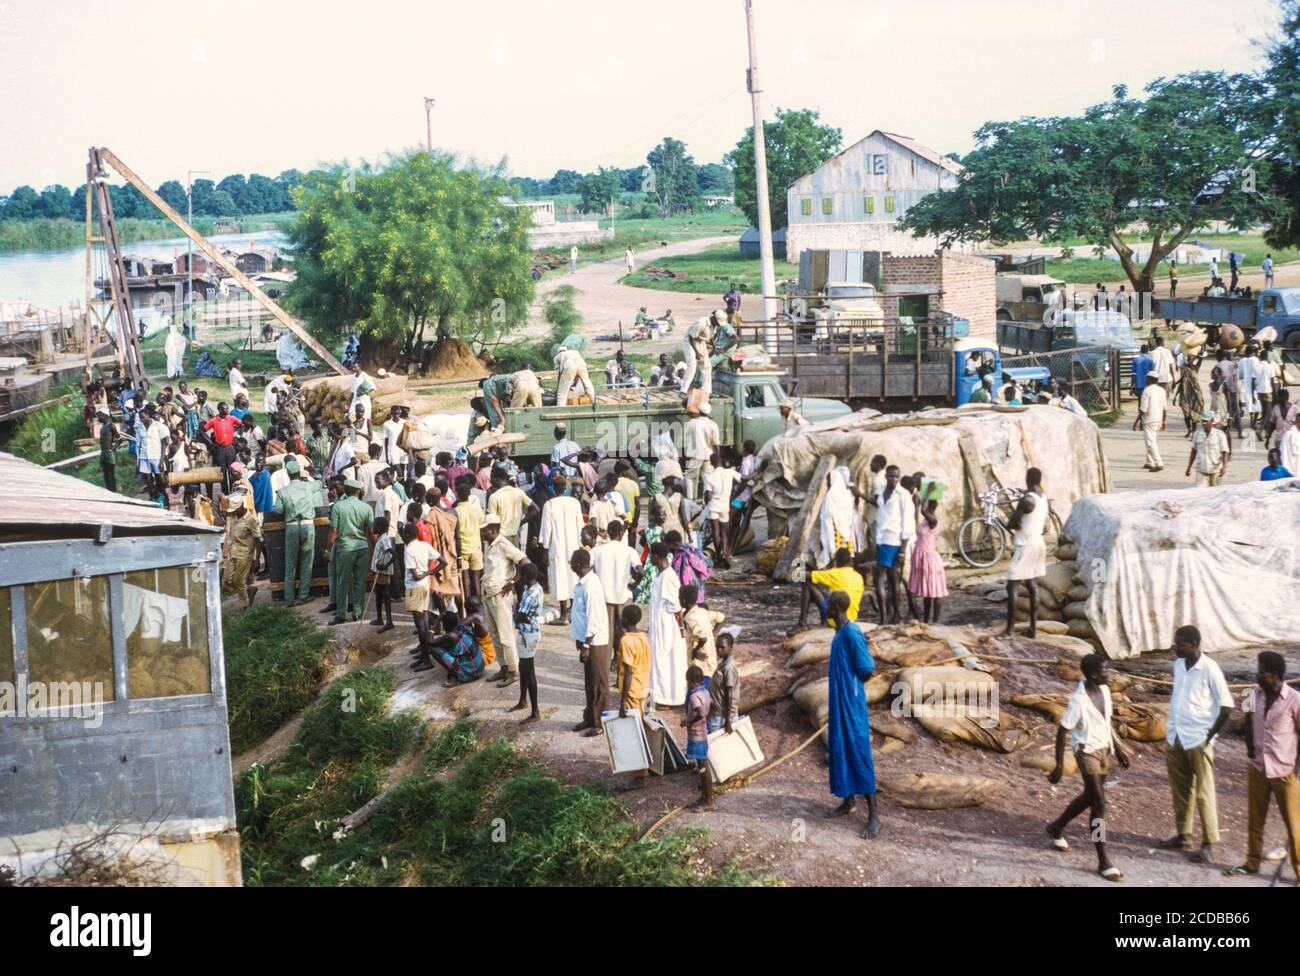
(804, 520)
(222, 261)
(14, 414)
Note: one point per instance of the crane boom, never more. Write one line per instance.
(102, 155)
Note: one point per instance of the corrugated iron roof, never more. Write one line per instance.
(31, 497)
(951, 165)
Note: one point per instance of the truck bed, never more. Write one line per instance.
(1212, 311)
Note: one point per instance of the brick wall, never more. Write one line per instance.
(960, 284)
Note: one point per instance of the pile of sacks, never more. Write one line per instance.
(1062, 596)
(328, 397)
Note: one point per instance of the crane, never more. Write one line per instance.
(101, 159)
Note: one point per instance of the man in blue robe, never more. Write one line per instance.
(848, 728)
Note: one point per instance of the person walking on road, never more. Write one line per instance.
(1153, 407)
(1210, 453)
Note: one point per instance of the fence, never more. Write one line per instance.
(1091, 373)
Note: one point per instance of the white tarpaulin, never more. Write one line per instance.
(1225, 560)
(967, 448)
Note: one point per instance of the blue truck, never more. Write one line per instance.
(1277, 308)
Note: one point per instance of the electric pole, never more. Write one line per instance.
(767, 268)
(428, 122)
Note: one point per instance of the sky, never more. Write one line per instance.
(246, 87)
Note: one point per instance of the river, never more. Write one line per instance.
(50, 279)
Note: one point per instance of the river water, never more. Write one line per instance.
(50, 279)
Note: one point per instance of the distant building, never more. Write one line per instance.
(853, 200)
(545, 231)
(113, 724)
(749, 243)
(256, 260)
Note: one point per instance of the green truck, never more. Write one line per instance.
(745, 406)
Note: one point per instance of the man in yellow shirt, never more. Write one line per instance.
(633, 676)
(823, 582)
(469, 522)
(509, 504)
(701, 626)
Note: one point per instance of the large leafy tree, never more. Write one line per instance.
(598, 190)
(1283, 78)
(796, 143)
(1188, 153)
(676, 187)
(416, 245)
(714, 178)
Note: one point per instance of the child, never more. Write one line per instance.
(927, 580)
(718, 488)
(381, 564)
(588, 537)
(696, 721)
(419, 561)
(528, 630)
(724, 689)
(700, 626)
(634, 665)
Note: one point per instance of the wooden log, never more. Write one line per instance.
(195, 476)
(801, 525)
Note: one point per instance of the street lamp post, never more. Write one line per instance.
(189, 252)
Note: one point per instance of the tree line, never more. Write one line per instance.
(234, 196)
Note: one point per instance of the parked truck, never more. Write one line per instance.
(744, 404)
(1278, 308)
(1025, 297)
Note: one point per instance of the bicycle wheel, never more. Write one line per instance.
(1052, 532)
(981, 543)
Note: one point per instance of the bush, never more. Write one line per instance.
(561, 314)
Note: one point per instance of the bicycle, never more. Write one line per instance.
(984, 539)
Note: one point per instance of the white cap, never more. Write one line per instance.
(706, 409)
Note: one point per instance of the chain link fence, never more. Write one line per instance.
(1093, 374)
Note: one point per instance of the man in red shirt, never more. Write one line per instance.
(221, 431)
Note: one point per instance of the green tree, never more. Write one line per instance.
(237, 187)
(1187, 154)
(796, 143)
(598, 190)
(222, 204)
(676, 188)
(173, 193)
(23, 204)
(715, 179)
(416, 244)
(564, 181)
(56, 202)
(1283, 78)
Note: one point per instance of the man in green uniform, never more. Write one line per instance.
(351, 521)
(297, 502)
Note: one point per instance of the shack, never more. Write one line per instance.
(113, 725)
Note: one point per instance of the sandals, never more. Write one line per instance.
(1112, 874)
(1240, 871)
(1060, 843)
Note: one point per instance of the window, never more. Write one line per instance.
(7, 667)
(1269, 303)
(828, 205)
(868, 204)
(805, 207)
(165, 615)
(879, 164)
(69, 637)
(760, 396)
(889, 203)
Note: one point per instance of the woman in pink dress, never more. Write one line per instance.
(927, 579)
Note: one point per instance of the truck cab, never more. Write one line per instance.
(758, 396)
(1279, 308)
(1024, 298)
(974, 358)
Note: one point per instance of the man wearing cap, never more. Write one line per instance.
(792, 417)
(572, 368)
(696, 347)
(500, 557)
(271, 393)
(351, 521)
(564, 448)
(700, 439)
(297, 502)
(1210, 453)
(362, 387)
(243, 538)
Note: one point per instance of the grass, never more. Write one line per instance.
(710, 270)
(275, 662)
(645, 234)
(47, 234)
(498, 819)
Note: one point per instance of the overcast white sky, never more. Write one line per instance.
(577, 84)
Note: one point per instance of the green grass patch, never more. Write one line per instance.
(711, 270)
(1107, 418)
(275, 663)
(500, 819)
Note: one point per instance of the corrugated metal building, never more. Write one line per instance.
(852, 201)
(113, 716)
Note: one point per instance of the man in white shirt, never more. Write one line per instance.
(1210, 453)
(696, 347)
(573, 259)
(1152, 407)
(792, 418)
(1198, 708)
(366, 475)
(389, 504)
(362, 387)
(392, 430)
(572, 371)
(613, 562)
(500, 557)
(1165, 370)
(700, 438)
(717, 497)
(895, 525)
(589, 628)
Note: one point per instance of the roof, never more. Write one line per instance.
(925, 152)
(750, 235)
(36, 497)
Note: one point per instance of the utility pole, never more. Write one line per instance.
(428, 122)
(189, 252)
(767, 267)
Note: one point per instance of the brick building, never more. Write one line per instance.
(853, 200)
(960, 284)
